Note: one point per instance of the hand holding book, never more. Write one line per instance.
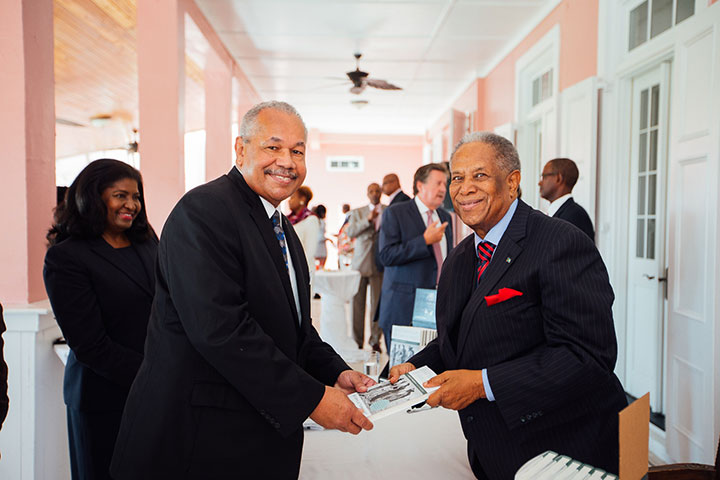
(335, 411)
(398, 370)
(458, 389)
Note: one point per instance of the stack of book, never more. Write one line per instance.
(552, 466)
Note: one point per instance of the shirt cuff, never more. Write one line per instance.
(486, 384)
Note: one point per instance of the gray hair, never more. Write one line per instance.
(506, 154)
(248, 127)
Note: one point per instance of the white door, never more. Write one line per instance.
(537, 143)
(530, 150)
(646, 242)
(693, 338)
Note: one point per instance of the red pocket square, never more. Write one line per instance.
(502, 295)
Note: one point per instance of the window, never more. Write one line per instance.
(542, 87)
(647, 172)
(652, 17)
(345, 163)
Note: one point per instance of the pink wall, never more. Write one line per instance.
(494, 94)
(578, 58)
(27, 122)
(383, 154)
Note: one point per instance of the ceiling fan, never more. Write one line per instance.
(362, 79)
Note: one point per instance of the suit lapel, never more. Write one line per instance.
(264, 226)
(504, 258)
(416, 216)
(105, 251)
(461, 286)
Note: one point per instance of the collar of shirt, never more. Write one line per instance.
(559, 202)
(393, 195)
(269, 209)
(496, 233)
(423, 208)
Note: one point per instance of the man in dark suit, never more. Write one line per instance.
(391, 188)
(415, 238)
(526, 345)
(556, 183)
(232, 363)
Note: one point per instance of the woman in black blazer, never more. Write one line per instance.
(99, 276)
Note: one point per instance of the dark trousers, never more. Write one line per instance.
(91, 437)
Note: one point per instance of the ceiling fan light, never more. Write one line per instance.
(360, 103)
(100, 120)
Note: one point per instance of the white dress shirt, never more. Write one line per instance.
(394, 194)
(270, 210)
(436, 218)
(555, 205)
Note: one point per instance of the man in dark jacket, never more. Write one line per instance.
(556, 183)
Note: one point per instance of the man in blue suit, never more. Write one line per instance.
(415, 238)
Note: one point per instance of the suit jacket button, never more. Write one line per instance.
(470, 418)
(522, 419)
(535, 414)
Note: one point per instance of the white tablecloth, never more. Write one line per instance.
(336, 289)
(424, 445)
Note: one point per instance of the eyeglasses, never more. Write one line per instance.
(543, 175)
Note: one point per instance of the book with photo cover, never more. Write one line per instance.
(424, 308)
(407, 341)
(386, 398)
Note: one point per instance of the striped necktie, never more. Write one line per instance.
(280, 235)
(484, 252)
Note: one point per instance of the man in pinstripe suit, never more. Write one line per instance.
(526, 345)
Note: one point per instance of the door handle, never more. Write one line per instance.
(649, 277)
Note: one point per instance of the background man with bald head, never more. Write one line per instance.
(391, 188)
(232, 363)
(526, 345)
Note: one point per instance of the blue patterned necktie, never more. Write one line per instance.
(280, 235)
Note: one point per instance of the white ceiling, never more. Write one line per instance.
(299, 51)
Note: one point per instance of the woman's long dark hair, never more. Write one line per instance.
(83, 214)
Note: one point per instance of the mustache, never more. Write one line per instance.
(281, 171)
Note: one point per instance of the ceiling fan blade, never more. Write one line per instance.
(69, 123)
(382, 84)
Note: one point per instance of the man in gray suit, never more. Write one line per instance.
(363, 226)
